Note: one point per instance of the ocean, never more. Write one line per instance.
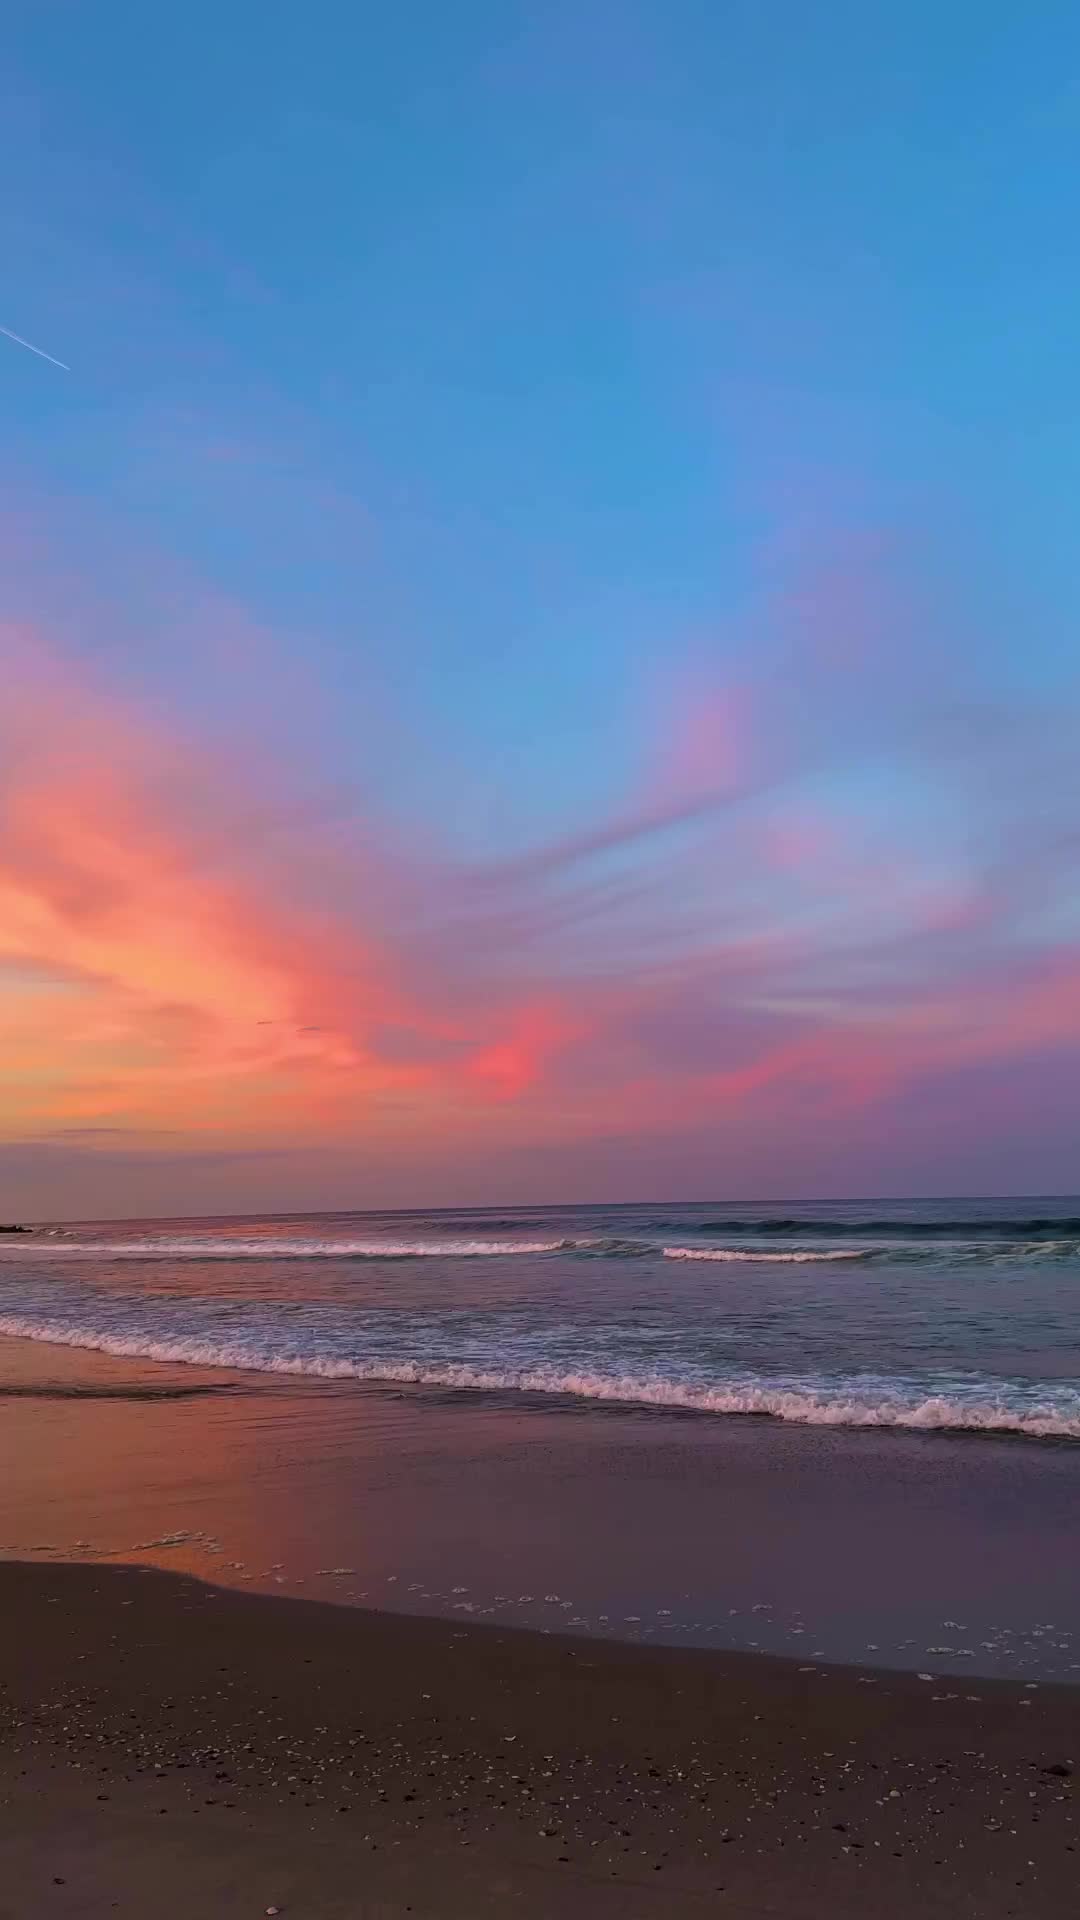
(844, 1429)
(952, 1314)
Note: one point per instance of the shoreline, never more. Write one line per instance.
(746, 1402)
(174, 1745)
(651, 1525)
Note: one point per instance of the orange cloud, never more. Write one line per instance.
(169, 963)
(142, 976)
(149, 975)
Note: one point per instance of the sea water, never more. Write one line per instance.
(840, 1432)
(952, 1314)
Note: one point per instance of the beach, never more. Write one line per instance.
(539, 963)
(293, 1621)
(175, 1747)
(845, 1433)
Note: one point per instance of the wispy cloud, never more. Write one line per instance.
(827, 886)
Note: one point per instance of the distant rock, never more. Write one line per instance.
(16, 1229)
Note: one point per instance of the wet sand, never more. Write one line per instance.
(741, 1535)
(174, 1748)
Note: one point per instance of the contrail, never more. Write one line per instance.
(30, 348)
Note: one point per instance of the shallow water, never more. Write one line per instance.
(950, 1314)
(275, 1403)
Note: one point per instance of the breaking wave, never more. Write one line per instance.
(853, 1403)
(904, 1245)
(287, 1247)
(801, 1254)
(225, 1248)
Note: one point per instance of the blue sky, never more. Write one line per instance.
(502, 373)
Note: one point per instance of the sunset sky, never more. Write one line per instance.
(538, 644)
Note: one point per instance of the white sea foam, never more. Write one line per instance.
(282, 1247)
(292, 1247)
(800, 1255)
(286, 1247)
(852, 1406)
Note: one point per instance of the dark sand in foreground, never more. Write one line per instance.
(175, 1749)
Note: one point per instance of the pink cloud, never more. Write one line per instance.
(187, 946)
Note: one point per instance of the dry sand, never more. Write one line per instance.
(174, 1749)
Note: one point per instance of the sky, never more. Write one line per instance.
(537, 617)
